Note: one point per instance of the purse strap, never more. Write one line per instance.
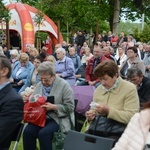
(68, 114)
(98, 117)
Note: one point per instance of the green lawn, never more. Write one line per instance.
(19, 147)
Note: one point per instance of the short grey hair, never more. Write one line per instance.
(133, 71)
(46, 68)
(62, 50)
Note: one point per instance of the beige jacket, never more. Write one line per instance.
(123, 101)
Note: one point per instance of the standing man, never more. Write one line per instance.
(11, 105)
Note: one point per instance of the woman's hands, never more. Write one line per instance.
(49, 106)
(101, 109)
(11, 80)
(90, 115)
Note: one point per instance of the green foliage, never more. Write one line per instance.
(38, 18)
(144, 35)
(135, 29)
(5, 15)
(129, 27)
(87, 14)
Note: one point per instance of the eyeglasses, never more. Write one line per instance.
(46, 79)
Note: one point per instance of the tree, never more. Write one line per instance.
(5, 16)
(86, 14)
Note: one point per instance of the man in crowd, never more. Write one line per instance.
(11, 105)
(92, 63)
(135, 75)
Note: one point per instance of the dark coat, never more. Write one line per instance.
(11, 114)
(144, 90)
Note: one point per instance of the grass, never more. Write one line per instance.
(19, 146)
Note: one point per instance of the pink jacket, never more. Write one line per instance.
(135, 135)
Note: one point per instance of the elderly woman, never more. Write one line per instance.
(132, 60)
(13, 56)
(75, 58)
(20, 71)
(34, 52)
(64, 66)
(116, 98)
(51, 58)
(50, 85)
(33, 77)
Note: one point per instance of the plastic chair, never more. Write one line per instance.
(79, 141)
(17, 135)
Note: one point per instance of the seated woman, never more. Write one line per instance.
(64, 66)
(13, 57)
(137, 133)
(88, 55)
(50, 85)
(116, 98)
(51, 58)
(33, 77)
(75, 58)
(120, 56)
(133, 60)
(20, 71)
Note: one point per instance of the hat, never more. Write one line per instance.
(14, 52)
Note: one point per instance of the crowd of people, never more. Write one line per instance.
(118, 67)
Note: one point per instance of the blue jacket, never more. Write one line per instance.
(29, 79)
(23, 75)
(76, 61)
(66, 68)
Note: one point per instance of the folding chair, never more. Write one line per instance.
(79, 141)
(17, 135)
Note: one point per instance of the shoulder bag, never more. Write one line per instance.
(59, 137)
(103, 126)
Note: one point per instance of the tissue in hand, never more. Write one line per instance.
(93, 105)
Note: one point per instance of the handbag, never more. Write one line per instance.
(34, 113)
(15, 83)
(59, 137)
(103, 126)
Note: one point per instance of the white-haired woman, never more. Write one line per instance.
(64, 66)
(50, 85)
(13, 56)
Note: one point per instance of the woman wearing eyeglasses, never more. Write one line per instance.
(50, 85)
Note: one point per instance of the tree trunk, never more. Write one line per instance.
(58, 30)
(97, 29)
(116, 16)
(7, 34)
